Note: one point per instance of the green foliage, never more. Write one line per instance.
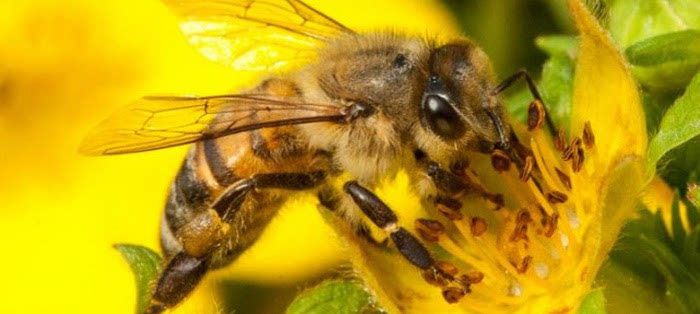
(631, 21)
(668, 61)
(680, 124)
(556, 84)
(145, 264)
(337, 296)
(667, 262)
(594, 303)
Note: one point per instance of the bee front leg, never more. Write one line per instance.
(455, 185)
(205, 233)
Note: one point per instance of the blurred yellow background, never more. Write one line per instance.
(66, 65)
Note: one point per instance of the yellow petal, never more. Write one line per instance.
(605, 93)
(658, 196)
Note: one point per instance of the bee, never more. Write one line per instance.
(362, 105)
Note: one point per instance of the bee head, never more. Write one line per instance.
(458, 104)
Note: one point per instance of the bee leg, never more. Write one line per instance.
(227, 204)
(205, 232)
(533, 90)
(329, 199)
(455, 186)
(383, 217)
(179, 277)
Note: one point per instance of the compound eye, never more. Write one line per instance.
(441, 117)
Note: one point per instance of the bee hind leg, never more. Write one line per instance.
(206, 231)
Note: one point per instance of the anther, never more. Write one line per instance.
(519, 233)
(524, 264)
(453, 295)
(450, 213)
(447, 267)
(555, 197)
(478, 226)
(565, 180)
(560, 140)
(500, 160)
(448, 202)
(475, 277)
(434, 277)
(523, 217)
(588, 137)
(429, 230)
(535, 115)
(577, 162)
(550, 224)
(527, 169)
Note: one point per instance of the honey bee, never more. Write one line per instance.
(363, 105)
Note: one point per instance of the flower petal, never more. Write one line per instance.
(605, 93)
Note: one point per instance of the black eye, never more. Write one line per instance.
(441, 117)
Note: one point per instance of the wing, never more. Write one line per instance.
(255, 35)
(160, 122)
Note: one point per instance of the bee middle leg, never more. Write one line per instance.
(207, 231)
(385, 218)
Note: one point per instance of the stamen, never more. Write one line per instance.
(555, 197)
(550, 224)
(448, 202)
(588, 137)
(478, 226)
(453, 295)
(577, 163)
(522, 267)
(429, 230)
(433, 277)
(527, 169)
(520, 232)
(572, 149)
(475, 277)
(500, 160)
(523, 217)
(447, 267)
(535, 115)
(450, 213)
(560, 140)
(565, 180)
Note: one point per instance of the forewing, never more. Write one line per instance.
(255, 35)
(160, 122)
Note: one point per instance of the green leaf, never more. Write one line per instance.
(672, 47)
(145, 264)
(631, 21)
(338, 296)
(668, 61)
(557, 88)
(680, 124)
(593, 303)
(558, 45)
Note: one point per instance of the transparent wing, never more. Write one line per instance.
(255, 35)
(163, 121)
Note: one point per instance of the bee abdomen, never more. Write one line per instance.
(189, 194)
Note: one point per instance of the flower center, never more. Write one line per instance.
(535, 242)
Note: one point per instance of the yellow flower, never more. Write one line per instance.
(541, 252)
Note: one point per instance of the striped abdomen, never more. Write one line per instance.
(214, 165)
